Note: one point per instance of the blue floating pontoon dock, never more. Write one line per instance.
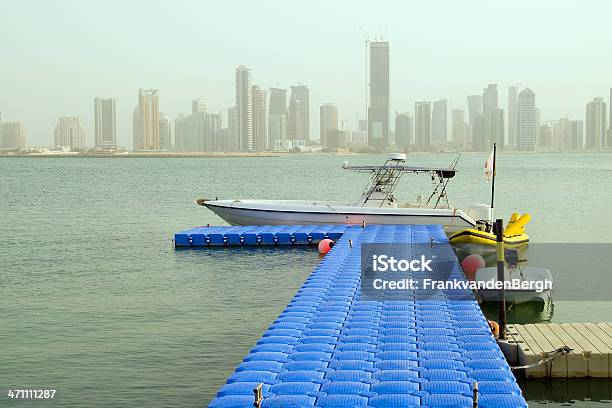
(330, 348)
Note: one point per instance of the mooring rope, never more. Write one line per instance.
(551, 356)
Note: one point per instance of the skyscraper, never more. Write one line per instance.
(404, 134)
(460, 129)
(546, 136)
(232, 130)
(146, 121)
(378, 111)
(69, 133)
(244, 109)
(610, 121)
(493, 116)
(105, 123)
(13, 135)
(596, 122)
(184, 135)
(422, 125)
(479, 138)
(328, 121)
(260, 125)
(561, 134)
(198, 106)
(512, 116)
(527, 120)
(165, 133)
(474, 109)
(277, 114)
(576, 135)
(439, 122)
(298, 116)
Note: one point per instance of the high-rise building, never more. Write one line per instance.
(69, 133)
(439, 122)
(146, 121)
(460, 129)
(328, 115)
(474, 109)
(538, 122)
(105, 123)
(378, 111)
(493, 116)
(165, 133)
(561, 133)
(480, 142)
(546, 136)
(244, 109)
(260, 125)
(576, 135)
(13, 135)
(404, 134)
(596, 124)
(422, 125)
(232, 130)
(184, 135)
(512, 116)
(527, 120)
(610, 121)
(211, 132)
(298, 116)
(198, 106)
(277, 115)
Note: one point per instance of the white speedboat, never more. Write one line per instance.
(377, 205)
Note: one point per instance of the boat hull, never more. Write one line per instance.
(239, 213)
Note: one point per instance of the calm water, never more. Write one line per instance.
(95, 302)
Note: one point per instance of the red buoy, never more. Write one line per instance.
(325, 245)
(471, 264)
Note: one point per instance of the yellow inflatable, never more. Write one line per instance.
(514, 234)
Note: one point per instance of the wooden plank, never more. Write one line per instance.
(597, 361)
(558, 367)
(600, 339)
(529, 352)
(576, 363)
(602, 330)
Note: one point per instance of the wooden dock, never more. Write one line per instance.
(591, 345)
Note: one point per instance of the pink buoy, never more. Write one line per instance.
(325, 245)
(471, 264)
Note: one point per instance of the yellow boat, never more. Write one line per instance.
(514, 234)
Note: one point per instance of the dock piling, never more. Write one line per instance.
(501, 297)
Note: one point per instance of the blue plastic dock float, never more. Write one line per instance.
(259, 235)
(329, 348)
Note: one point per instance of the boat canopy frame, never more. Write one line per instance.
(385, 178)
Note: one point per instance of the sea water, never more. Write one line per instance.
(96, 302)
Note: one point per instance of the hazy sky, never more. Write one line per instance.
(58, 55)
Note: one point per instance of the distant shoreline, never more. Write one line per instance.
(267, 154)
(146, 155)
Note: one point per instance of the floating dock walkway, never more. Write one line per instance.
(330, 348)
(591, 344)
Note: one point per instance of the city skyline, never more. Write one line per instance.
(416, 73)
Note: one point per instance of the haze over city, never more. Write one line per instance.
(59, 56)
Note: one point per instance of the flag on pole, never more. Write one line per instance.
(488, 167)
